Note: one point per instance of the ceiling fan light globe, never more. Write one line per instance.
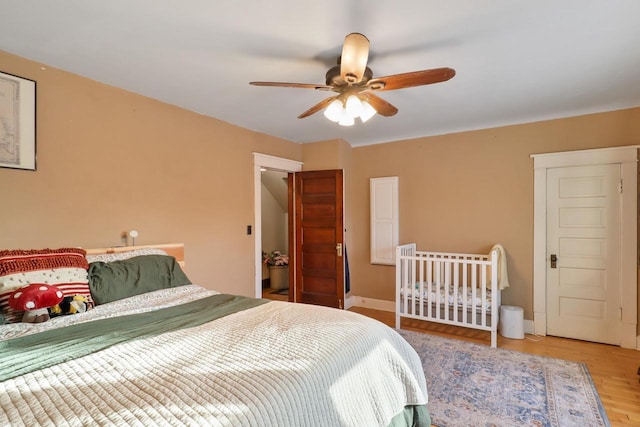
(354, 106)
(334, 111)
(367, 111)
(346, 120)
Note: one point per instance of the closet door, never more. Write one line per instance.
(583, 242)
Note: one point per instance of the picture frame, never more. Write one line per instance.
(17, 122)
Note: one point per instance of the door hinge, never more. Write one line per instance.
(620, 186)
(340, 305)
(620, 313)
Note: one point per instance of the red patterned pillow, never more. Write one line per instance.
(65, 268)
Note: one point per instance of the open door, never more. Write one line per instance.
(316, 231)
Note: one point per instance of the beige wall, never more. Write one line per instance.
(464, 192)
(109, 161)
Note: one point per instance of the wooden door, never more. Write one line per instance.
(584, 237)
(317, 232)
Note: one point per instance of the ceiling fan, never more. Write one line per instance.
(356, 87)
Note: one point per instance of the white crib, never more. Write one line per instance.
(451, 288)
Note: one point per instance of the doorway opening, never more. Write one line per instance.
(275, 234)
(274, 169)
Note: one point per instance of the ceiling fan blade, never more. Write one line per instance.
(415, 78)
(355, 53)
(298, 85)
(381, 106)
(319, 106)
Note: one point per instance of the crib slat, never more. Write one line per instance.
(429, 287)
(405, 284)
(474, 286)
(447, 283)
(483, 292)
(456, 284)
(465, 307)
(413, 285)
(421, 285)
(438, 281)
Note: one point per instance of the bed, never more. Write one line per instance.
(182, 354)
(451, 288)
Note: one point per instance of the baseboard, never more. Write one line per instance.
(629, 335)
(539, 323)
(529, 327)
(375, 304)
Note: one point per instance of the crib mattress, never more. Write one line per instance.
(452, 300)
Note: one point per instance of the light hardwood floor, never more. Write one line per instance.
(614, 370)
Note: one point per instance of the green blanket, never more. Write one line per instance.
(412, 416)
(26, 354)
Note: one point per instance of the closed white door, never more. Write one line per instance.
(583, 253)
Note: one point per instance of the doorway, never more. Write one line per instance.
(263, 162)
(275, 235)
(625, 160)
(315, 228)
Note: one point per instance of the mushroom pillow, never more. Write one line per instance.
(34, 300)
(65, 268)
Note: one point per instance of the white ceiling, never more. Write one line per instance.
(516, 60)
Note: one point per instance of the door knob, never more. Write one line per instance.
(554, 260)
(339, 249)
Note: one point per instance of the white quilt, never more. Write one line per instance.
(278, 364)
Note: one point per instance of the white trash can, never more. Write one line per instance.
(511, 324)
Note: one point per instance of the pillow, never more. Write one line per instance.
(134, 276)
(124, 255)
(65, 268)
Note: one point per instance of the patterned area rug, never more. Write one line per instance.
(476, 385)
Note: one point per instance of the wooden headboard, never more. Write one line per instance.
(176, 250)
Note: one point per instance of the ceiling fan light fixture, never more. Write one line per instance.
(367, 112)
(345, 112)
(334, 111)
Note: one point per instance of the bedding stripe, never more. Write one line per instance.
(19, 261)
(29, 353)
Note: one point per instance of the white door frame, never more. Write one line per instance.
(269, 162)
(627, 157)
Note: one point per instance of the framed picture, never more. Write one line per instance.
(17, 122)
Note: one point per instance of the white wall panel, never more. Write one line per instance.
(384, 219)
